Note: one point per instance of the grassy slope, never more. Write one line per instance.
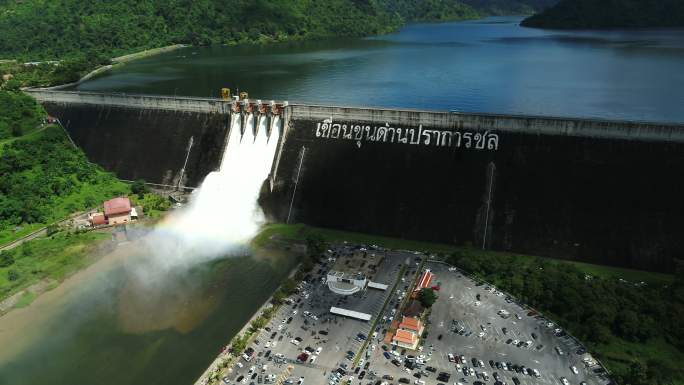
(49, 258)
(300, 232)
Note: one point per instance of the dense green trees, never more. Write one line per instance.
(19, 114)
(42, 177)
(606, 314)
(507, 7)
(427, 297)
(610, 14)
(92, 30)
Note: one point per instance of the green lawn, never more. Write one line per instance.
(618, 354)
(54, 258)
(631, 275)
(300, 232)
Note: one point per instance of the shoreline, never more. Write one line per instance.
(118, 61)
(225, 356)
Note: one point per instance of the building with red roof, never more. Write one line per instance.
(118, 210)
(425, 280)
(412, 324)
(98, 219)
(405, 339)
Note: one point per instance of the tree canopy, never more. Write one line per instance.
(605, 314)
(591, 14)
(427, 297)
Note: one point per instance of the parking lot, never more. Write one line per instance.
(470, 321)
(307, 323)
(462, 324)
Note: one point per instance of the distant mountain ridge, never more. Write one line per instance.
(597, 14)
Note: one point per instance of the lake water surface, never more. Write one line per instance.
(110, 325)
(491, 65)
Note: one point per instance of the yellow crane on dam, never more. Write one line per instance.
(227, 95)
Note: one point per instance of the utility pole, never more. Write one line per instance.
(491, 167)
(299, 169)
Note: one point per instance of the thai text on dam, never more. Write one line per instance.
(420, 136)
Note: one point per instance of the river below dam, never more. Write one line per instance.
(491, 65)
(107, 326)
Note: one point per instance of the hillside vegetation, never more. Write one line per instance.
(43, 178)
(592, 14)
(509, 7)
(82, 35)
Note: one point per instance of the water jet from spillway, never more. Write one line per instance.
(223, 215)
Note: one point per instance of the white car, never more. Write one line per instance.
(564, 381)
(268, 344)
(319, 350)
(294, 342)
(294, 312)
(481, 334)
(239, 364)
(574, 369)
(300, 381)
(312, 359)
(451, 357)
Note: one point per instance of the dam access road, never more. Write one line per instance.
(599, 191)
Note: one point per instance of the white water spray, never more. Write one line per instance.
(223, 216)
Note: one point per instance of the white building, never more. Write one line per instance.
(346, 283)
(352, 273)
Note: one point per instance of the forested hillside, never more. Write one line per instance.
(43, 178)
(581, 14)
(508, 7)
(82, 35)
(52, 29)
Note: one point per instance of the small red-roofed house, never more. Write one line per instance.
(118, 211)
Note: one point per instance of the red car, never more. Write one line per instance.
(302, 357)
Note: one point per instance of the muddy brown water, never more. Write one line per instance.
(104, 325)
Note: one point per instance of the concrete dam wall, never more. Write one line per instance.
(144, 137)
(599, 191)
